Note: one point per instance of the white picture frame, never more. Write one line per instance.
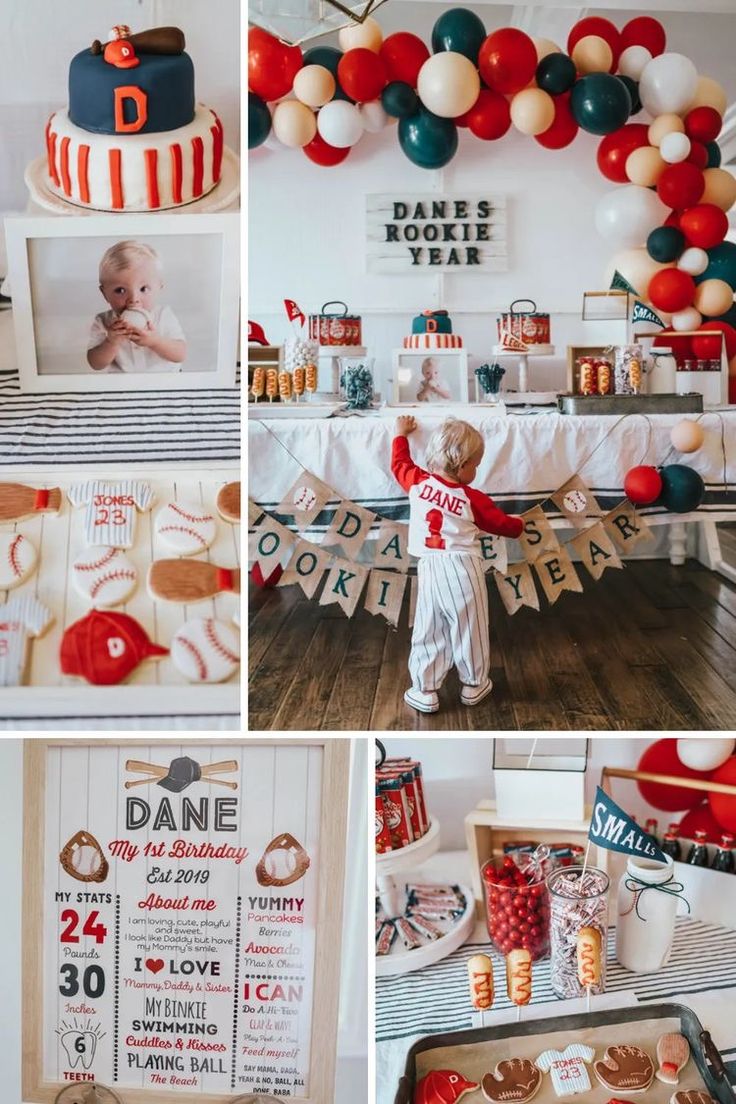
(449, 377)
(57, 298)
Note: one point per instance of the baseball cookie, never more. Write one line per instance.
(104, 575)
(206, 650)
(228, 502)
(17, 560)
(625, 1069)
(185, 527)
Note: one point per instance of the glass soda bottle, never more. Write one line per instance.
(698, 853)
(723, 860)
(671, 845)
(651, 828)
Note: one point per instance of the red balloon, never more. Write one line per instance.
(616, 147)
(322, 153)
(704, 225)
(700, 819)
(661, 758)
(403, 54)
(671, 290)
(698, 154)
(673, 219)
(596, 25)
(643, 485)
(361, 73)
(703, 124)
(723, 806)
(490, 116)
(709, 348)
(564, 128)
(681, 185)
(270, 581)
(682, 347)
(507, 60)
(272, 66)
(644, 31)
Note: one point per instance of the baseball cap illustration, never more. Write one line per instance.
(104, 647)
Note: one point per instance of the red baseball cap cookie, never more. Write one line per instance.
(105, 647)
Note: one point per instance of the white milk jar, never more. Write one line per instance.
(647, 906)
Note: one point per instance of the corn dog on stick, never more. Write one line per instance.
(258, 385)
(589, 957)
(272, 383)
(480, 980)
(285, 385)
(311, 377)
(300, 379)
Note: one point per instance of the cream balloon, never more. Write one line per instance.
(373, 116)
(720, 188)
(674, 147)
(663, 125)
(633, 61)
(367, 35)
(294, 124)
(713, 297)
(545, 46)
(693, 261)
(340, 124)
(704, 754)
(668, 83)
(448, 84)
(644, 166)
(592, 54)
(687, 319)
(314, 85)
(687, 436)
(709, 93)
(532, 111)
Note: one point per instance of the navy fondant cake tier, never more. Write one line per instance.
(155, 95)
(432, 329)
(432, 321)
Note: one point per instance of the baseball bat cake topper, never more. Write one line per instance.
(158, 40)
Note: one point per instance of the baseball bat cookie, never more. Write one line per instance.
(17, 501)
(625, 1069)
(190, 580)
(673, 1053)
(480, 980)
(185, 527)
(104, 575)
(17, 560)
(206, 650)
(228, 502)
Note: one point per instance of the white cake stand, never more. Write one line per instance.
(393, 901)
(524, 395)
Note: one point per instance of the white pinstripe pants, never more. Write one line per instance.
(450, 622)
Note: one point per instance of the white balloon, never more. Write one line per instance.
(668, 84)
(340, 123)
(373, 116)
(687, 319)
(633, 61)
(704, 754)
(693, 260)
(674, 147)
(627, 215)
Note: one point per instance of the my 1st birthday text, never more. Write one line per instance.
(179, 849)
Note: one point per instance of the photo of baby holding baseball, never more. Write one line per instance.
(138, 333)
(432, 388)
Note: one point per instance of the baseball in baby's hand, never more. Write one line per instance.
(405, 424)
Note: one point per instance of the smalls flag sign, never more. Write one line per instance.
(612, 828)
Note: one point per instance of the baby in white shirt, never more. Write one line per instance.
(138, 334)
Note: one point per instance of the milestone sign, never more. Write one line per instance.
(436, 233)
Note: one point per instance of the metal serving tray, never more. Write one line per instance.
(631, 404)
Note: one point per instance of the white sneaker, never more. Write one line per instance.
(472, 695)
(422, 701)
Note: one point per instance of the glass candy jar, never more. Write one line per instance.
(517, 908)
(356, 382)
(576, 902)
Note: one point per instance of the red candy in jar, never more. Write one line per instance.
(517, 909)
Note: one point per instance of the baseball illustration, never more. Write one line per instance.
(17, 559)
(304, 498)
(185, 527)
(104, 575)
(206, 650)
(575, 502)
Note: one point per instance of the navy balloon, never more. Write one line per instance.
(633, 89)
(714, 155)
(428, 140)
(682, 489)
(459, 30)
(259, 121)
(722, 264)
(556, 74)
(600, 103)
(399, 100)
(329, 57)
(665, 244)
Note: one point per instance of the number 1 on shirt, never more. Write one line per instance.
(434, 520)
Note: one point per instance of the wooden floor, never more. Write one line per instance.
(652, 647)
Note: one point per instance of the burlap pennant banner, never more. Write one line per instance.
(494, 552)
(626, 527)
(391, 546)
(304, 499)
(272, 545)
(556, 573)
(306, 567)
(344, 585)
(254, 512)
(596, 550)
(413, 590)
(516, 587)
(385, 594)
(350, 527)
(576, 502)
(538, 535)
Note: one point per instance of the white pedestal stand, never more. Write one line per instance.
(332, 354)
(393, 902)
(524, 395)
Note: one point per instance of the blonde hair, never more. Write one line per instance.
(121, 255)
(451, 445)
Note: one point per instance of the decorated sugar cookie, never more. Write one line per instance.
(514, 1081)
(228, 502)
(442, 1087)
(692, 1096)
(20, 620)
(673, 1053)
(567, 1068)
(105, 647)
(18, 558)
(206, 650)
(17, 501)
(190, 580)
(625, 1069)
(112, 508)
(185, 528)
(104, 575)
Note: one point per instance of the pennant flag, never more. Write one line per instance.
(350, 527)
(391, 546)
(556, 573)
(385, 594)
(643, 313)
(293, 312)
(494, 552)
(576, 501)
(256, 334)
(413, 600)
(619, 283)
(254, 512)
(626, 527)
(612, 828)
(596, 550)
(344, 585)
(538, 536)
(516, 587)
(305, 499)
(274, 544)
(306, 567)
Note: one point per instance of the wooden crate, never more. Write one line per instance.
(573, 369)
(263, 356)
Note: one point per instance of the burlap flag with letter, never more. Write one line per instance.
(306, 567)
(516, 587)
(350, 527)
(254, 511)
(626, 527)
(304, 499)
(413, 600)
(494, 551)
(538, 535)
(344, 585)
(391, 546)
(385, 593)
(556, 573)
(576, 502)
(596, 550)
(272, 544)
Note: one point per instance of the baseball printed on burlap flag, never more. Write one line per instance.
(391, 546)
(304, 499)
(537, 536)
(344, 585)
(576, 502)
(350, 527)
(385, 594)
(556, 573)
(596, 550)
(306, 567)
(626, 527)
(516, 587)
(494, 552)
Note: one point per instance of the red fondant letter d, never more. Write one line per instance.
(130, 92)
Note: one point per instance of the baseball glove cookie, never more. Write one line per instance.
(625, 1069)
(82, 858)
(514, 1081)
(284, 861)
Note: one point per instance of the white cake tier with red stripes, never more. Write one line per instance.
(134, 172)
(433, 341)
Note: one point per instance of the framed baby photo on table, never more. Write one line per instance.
(434, 376)
(125, 302)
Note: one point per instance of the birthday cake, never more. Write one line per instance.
(432, 329)
(133, 137)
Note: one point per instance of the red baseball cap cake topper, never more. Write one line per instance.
(119, 51)
(104, 647)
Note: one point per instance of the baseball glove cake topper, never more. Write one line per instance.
(83, 858)
(284, 861)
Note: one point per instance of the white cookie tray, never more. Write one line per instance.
(264, 411)
(155, 688)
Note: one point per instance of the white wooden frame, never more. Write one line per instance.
(457, 360)
(20, 231)
(326, 984)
